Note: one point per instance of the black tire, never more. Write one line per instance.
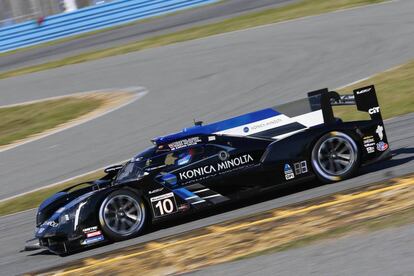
(335, 156)
(122, 215)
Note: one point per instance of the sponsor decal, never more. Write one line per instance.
(374, 110)
(183, 207)
(223, 155)
(40, 231)
(66, 217)
(246, 129)
(300, 167)
(363, 91)
(211, 138)
(184, 143)
(93, 240)
(211, 169)
(368, 139)
(370, 149)
(288, 172)
(264, 125)
(90, 229)
(155, 168)
(381, 146)
(380, 131)
(155, 191)
(369, 144)
(164, 204)
(93, 234)
(161, 197)
(51, 223)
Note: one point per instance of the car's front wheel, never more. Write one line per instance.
(335, 156)
(122, 215)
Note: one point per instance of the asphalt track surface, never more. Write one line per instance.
(160, 25)
(208, 79)
(386, 252)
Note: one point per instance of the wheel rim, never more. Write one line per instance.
(336, 156)
(123, 214)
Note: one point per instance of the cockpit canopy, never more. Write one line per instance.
(154, 159)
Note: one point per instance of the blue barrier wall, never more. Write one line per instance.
(88, 19)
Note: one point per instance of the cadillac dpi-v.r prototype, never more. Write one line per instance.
(206, 165)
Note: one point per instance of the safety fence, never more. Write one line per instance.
(88, 19)
(17, 11)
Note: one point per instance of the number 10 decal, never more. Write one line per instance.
(164, 205)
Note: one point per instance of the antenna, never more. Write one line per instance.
(197, 123)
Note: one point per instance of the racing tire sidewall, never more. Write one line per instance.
(326, 177)
(114, 236)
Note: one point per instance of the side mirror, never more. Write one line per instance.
(113, 169)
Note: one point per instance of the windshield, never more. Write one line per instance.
(132, 170)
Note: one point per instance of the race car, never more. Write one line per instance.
(206, 165)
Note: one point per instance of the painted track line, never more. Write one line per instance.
(371, 76)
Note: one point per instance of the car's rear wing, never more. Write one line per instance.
(364, 98)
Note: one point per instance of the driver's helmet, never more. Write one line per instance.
(184, 158)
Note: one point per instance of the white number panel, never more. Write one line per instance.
(163, 205)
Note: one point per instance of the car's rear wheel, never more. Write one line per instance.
(122, 215)
(335, 156)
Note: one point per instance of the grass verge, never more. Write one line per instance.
(375, 224)
(291, 11)
(394, 90)
(22, 121)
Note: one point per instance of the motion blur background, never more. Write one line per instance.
(15, 11)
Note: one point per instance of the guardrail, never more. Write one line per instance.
(88, 19)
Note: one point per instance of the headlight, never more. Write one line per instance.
(65, 217)
(71, 211)
(71, 214)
